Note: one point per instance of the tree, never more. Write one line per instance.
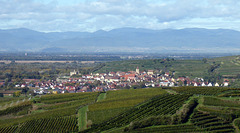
(204, 60)
(127, 87)
(96, 83)
(134, 87)
(185, 82)
(238, 76)
(25, 90)
(8, 76)
(31, 92)
(142, 85)
(66, 91)
(16, 93)
(118, 87)
(180, 83)
(6, 82)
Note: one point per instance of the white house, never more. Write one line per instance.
(171, 84)
(210, 84)
(23, 85)
(216, 84)
(195, 84)
(203, 84)
(225, 84)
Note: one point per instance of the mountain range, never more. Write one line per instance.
(122, 40)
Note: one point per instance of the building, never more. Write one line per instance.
(150, 72)
(74, 73)
(137, 70)
(217, 85)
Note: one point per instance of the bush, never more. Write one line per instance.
(16, 93)
(237, 123)
(159, 120)
(183, 115)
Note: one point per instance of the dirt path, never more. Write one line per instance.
(171, 91)
(82, 118)
(82, 114)
(101, 97)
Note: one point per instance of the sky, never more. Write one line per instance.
(93, 15)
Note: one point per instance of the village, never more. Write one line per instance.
(112, 81)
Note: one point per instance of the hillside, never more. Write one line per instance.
(229, 66)
(193, 68)
(226, 66)
(181, 109)
(123, 40)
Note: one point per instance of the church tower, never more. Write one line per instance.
(137, 70)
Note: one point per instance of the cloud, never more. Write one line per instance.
(92, 15)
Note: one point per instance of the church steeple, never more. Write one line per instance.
(137, 70)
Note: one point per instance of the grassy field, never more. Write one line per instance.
(82, 118)
(101, 97)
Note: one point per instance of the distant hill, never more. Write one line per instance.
(54, 49)
(123, 40)
(228, 66)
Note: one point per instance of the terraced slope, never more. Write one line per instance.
(182, 128)
(211, 123)
(119, 101)
(159, 105)
(56, 112)
(61, 124)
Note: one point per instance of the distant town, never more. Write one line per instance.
(77, 82)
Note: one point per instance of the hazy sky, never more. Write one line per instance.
(92, 15)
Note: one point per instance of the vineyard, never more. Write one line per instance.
(49, 99)
(119, 101)
(160, 105)
(10, 129)
(233, 93)
(199, 90)
(183, 128)
(212, 101)
(8, 101)
(62, 124)
(16, 108)
(49, 113)
(211, 123)
(188, 109)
